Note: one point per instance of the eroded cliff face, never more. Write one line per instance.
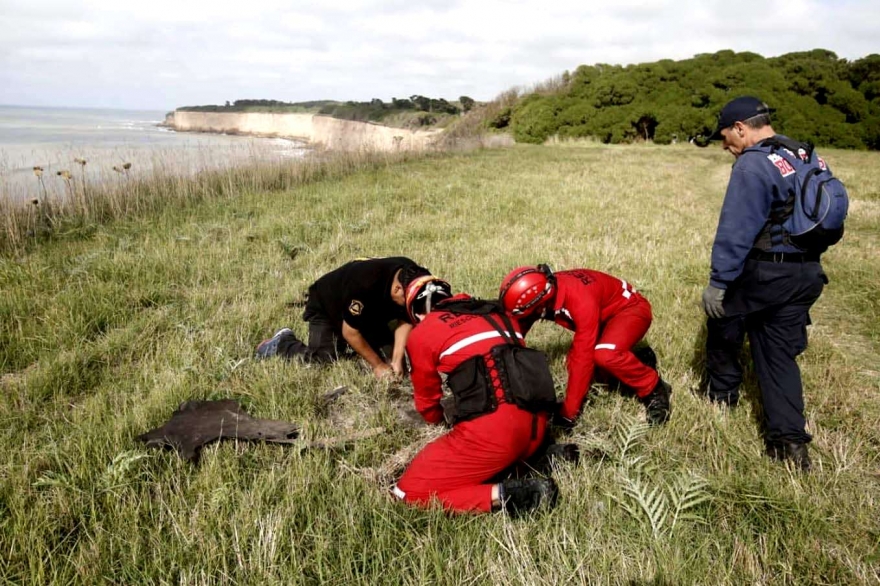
(321, 131)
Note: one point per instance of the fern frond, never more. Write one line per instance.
(652, 503)
(627, 434)
(685, 493)
(119, 471)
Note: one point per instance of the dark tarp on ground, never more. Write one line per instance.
(196, 423)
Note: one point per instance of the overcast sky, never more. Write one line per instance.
(160, 54)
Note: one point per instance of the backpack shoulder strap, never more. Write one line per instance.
(470, 306)
(783, 142)
(509, 325)
(510, 334)
(485, 309)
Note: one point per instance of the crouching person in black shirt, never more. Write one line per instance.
(359, 305)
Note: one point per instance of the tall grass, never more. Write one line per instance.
(83, 204)
(102, 337)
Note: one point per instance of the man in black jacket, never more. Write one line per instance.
(361, 305)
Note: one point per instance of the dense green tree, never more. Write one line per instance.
(814, 94)
(376, 110)
(534, 119)
(421, 102)
(442, 106)
(401, 104)
(500, 119)
(864, 76)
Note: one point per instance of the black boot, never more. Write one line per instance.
(646, 356)
(657, 407)
(521, 495)
(269, 347)
(797, 452)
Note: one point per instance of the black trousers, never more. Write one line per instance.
(326, 343)
(770, 303)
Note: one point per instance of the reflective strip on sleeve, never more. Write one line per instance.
(606, 346)
(472, 340)
(397, 492)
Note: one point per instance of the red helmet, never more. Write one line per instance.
(526, 290)
(422, 291)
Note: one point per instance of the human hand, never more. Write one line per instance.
(713, 302)
(383, 370)
(398, 367)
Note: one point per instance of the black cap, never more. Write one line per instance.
(737, 110)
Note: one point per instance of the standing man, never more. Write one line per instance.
(761, 284)
(361, 305)
(608, 317)
(495, 425)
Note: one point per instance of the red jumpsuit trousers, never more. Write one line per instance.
(455, 469)
(608, 318)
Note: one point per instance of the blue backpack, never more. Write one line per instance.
(812, 216)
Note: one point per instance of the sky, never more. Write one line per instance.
(162, 54)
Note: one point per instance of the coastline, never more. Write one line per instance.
(317, 130)
(54, 139)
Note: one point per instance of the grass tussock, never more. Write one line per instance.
(102, 337)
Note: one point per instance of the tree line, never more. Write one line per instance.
(428, 109)
(814, 96)
(373, 111)
(252, 105)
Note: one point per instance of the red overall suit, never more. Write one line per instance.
(608, 318)
(454, 468)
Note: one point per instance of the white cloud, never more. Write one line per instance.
(166, 53)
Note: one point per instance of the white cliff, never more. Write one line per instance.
(320, 131)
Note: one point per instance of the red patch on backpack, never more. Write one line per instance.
(784, 166)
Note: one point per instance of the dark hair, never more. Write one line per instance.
(410, 273)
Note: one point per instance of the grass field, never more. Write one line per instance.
(104, 332)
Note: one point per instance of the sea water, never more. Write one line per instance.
(52, 138)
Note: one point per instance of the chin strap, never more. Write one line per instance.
(424, 288)
(548, 272)
(431, 288)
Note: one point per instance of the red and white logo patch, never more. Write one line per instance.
(784, 166)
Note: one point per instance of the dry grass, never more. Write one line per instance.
(82, 204)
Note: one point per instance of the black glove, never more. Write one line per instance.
(713, 302)
(450, 413)
(564, 452)
(563, 423)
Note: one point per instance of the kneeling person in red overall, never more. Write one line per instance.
(608, 318)
(466, 339)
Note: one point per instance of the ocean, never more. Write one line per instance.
(52, 138)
